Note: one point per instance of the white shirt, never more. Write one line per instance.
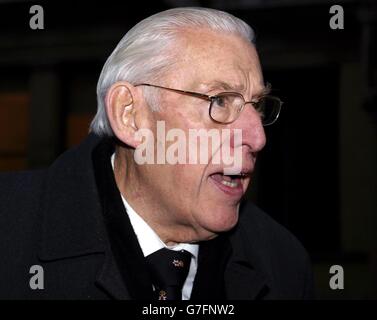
(150, 242)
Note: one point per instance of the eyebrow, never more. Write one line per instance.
(265, 91)
(217, 84)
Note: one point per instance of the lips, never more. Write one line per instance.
(231, 185)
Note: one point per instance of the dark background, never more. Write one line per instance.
(317, 174)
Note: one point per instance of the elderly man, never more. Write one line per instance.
(99, 223)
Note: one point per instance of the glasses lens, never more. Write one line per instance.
(225, 107)
(269, 109)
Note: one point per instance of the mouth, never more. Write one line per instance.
(231, 185)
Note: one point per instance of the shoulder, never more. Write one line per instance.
(14, 179)
(17, 188)
(259, 226)
(20, 200)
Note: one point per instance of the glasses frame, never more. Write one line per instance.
(212, 98)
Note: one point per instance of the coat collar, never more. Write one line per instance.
(64, 234)
(71, 189)
(72, 223)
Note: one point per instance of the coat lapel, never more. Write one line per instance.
(244, 277)
(243, 282)
(110, 279)
(123, 241)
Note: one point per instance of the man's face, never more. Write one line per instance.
(198, 197)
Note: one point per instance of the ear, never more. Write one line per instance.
(122, 100)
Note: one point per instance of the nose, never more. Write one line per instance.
(253, 135)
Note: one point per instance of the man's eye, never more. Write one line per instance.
(259, 106)
(220, 101)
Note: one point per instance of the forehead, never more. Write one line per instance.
(208, 59)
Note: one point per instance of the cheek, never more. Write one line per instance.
(216, 217)
(213, 212)
(198, 202)
(187, 188)
(188, 176)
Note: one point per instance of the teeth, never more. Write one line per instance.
(227, 178)
(231, 184)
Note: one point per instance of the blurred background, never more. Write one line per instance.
(317, 174)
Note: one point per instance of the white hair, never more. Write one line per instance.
(144, 54)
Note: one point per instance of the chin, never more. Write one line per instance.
(221, 220)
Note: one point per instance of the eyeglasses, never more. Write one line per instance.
(226, 107)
